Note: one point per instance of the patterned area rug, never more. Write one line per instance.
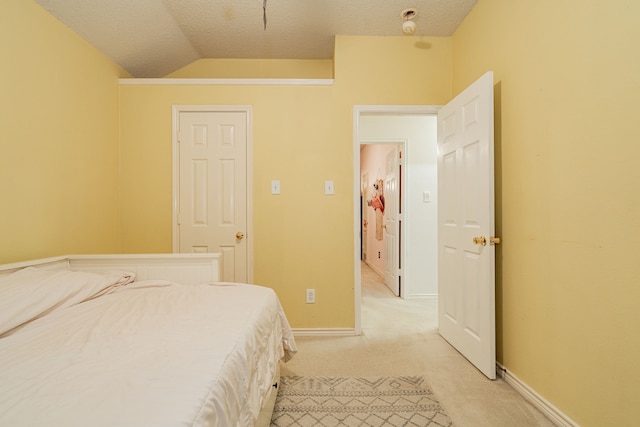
(370, 401)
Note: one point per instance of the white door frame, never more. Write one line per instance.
(359, 110)
(248, 109)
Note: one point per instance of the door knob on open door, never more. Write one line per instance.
(480, 240)
(239, 235)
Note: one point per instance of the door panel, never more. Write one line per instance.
(466, 282)
(212, 188)
(391, 221)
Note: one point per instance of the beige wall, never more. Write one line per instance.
(59, 142)
(567, 80)
(303, 136)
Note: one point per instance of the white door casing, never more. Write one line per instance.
(211, 191)
(466, 269)
(392, 220)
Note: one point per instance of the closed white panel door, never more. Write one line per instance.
(212, 192)
(392, 221)
(466, 255)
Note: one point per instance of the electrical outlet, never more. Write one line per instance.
(311, 296)
(275, 187)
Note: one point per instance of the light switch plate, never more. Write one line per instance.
(426, 196)
(328, 187)
(311, 296)
(275, 187)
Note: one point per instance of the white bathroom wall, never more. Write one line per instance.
(420, 216)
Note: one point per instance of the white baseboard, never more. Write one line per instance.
(376, 269)
(323, 332)
(554, 414)
(422, 296)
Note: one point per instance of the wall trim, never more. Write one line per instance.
(543, 405)
(258, 82)
(323, 332)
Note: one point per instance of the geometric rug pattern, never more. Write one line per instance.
(357, 401)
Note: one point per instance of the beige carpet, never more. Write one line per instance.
(400, 338)
(357, 401)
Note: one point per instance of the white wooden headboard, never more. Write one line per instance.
(188, 269)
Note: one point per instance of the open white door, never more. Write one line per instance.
(466, 251)
(392, 217)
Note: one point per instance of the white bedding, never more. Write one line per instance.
(149, 353)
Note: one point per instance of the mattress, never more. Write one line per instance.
(150, 353)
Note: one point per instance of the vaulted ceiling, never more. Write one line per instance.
(152, 38)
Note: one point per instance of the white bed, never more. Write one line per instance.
(83, 344)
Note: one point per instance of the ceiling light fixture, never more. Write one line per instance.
(408, 26)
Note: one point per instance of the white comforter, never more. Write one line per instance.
(149, 353)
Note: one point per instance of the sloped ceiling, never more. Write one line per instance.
(152, 38)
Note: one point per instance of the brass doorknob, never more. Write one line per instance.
(239, 235)
(480, 240)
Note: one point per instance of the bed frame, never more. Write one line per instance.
(188, 269)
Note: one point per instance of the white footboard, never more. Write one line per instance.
(188, 269)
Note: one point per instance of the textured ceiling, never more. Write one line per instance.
(152, 38)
